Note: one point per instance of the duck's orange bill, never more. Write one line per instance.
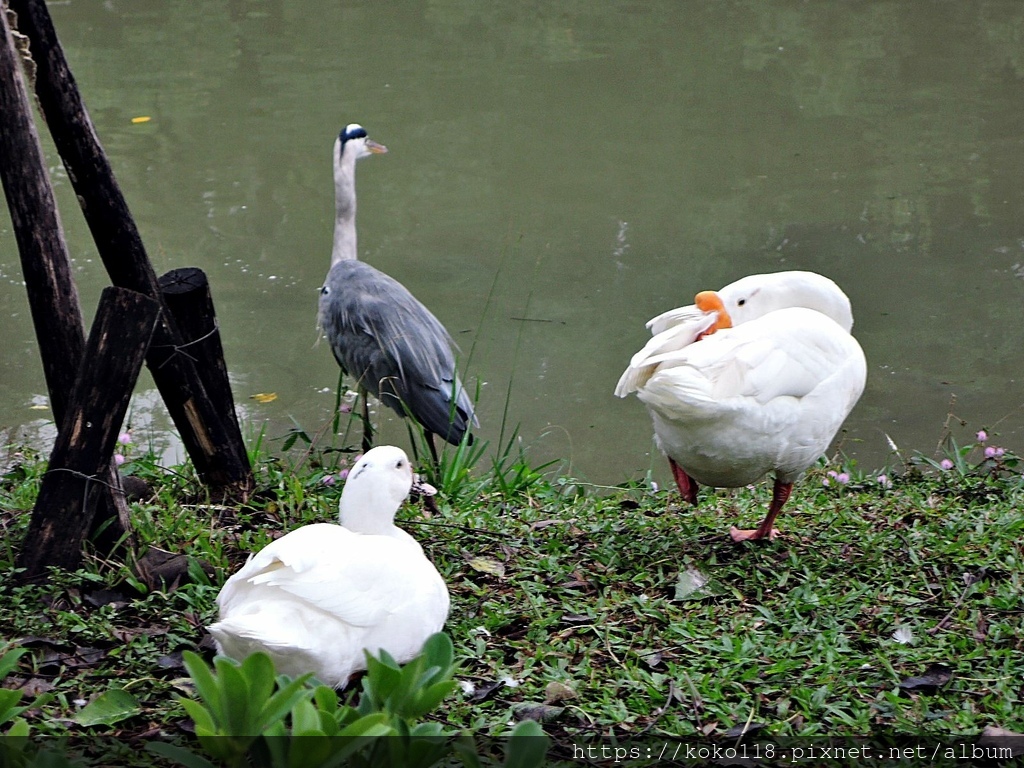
(709, 301)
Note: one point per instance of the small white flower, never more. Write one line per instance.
(467, 687)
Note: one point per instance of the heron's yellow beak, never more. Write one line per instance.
(377, 149)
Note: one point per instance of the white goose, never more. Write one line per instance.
(754, 378)
(315, 598)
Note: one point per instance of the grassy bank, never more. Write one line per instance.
(889, 607)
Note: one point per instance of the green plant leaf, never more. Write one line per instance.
(108, 708)
(206, 685)
(280, 704)
(258, 671)
(10, 660)
(239, 709)
(180, 755)
(527, 746)
(201, 717)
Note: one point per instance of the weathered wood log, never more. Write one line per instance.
(186, 293)
(213, 442)
(46, 265)
(74, 479)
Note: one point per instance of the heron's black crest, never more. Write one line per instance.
(353, 131)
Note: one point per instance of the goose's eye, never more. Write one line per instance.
(400, 463)
(741, 302)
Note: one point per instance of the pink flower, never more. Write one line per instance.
(343, 474)
(982, 435)
(826, 482)
(327, 480)
(345, 408)
(992, 452)
(118, 459)
(884, 481)
(843, 478)
(125, 438)
(946, 464)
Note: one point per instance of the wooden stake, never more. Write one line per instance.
(46, 265)
(75, 479)
(214, 443)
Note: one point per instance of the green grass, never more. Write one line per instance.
(575, 595)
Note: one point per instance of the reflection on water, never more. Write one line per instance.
(559, 173)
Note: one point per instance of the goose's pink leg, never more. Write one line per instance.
(687, 485)
(780, 494)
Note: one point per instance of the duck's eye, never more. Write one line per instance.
(400, 463)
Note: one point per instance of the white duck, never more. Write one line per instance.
(315, 598)
(754, 378)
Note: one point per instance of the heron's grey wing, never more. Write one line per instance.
(394, 347)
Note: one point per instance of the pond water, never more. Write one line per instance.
(558, 173)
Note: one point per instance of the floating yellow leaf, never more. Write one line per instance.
(39, 407)
(264, 397)
(141, 119)
(487, 565)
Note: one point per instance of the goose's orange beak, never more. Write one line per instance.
(709, 301)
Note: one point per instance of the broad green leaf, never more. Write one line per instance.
(527, 746)
(430, 698)
(200, 717)
(206, 684)
(281, 703)
(108, 708)
(305, 719)
(180, 755)
(19, 730)
(258, 670)
(465, 748)
(10, 660)
(239, 710)
(438, 650)
(8, 705)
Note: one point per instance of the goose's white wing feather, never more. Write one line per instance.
(679, 329)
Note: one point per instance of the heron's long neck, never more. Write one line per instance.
(345, 209)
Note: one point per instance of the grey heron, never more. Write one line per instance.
(380, 334)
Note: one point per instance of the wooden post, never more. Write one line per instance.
(186, 293)
(214, 443)
(74, 480)
(45, 263)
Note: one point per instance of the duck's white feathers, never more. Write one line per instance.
(316, 598)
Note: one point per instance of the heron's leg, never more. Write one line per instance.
(367, 425)
(687, 485)
(433, 449)
(780, 494)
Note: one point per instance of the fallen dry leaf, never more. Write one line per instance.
(487, 565)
